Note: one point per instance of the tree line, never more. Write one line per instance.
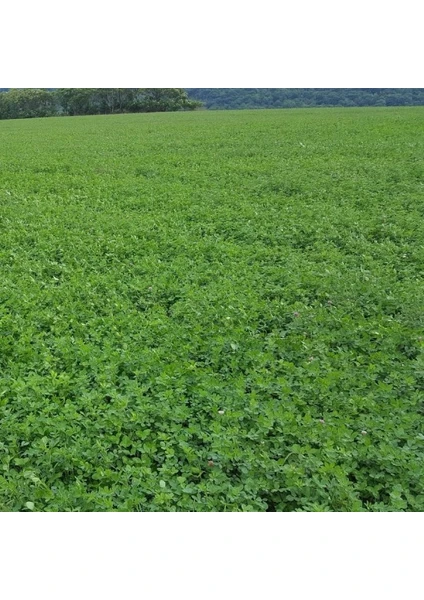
(26, 103)
(30, 102)
(239, 98)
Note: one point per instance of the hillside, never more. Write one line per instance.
(237, 98)
(29, 103)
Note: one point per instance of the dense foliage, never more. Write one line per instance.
(306, 97)
(26, 103)
(213, 311)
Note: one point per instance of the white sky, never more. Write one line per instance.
(189, 43)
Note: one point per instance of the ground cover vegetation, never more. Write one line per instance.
(213, 311)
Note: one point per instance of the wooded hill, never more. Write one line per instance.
(237, 98)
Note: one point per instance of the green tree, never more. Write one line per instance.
(26, 103)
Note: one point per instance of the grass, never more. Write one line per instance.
(213, 311)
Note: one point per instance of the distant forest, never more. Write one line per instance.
(238, 98)
(31, 102)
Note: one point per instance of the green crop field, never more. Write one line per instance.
(213, 311)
